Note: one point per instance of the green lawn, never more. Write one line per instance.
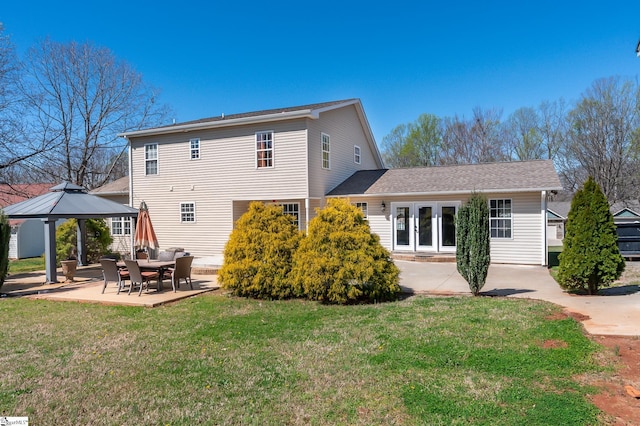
(26, 265)
(220, 360)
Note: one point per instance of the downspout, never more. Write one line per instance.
(307, 206)
(545, 245)
(132, 249)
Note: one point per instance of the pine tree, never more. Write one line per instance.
(341, 261)
(590, 258)
(472, 242)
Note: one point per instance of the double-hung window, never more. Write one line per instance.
(292, 209)
(363, 207)
(120, 226)
(194, 148)
(500, 218)
(326, 151)
(187, 212)
(264, 149)
(356, 154)
(151, 159)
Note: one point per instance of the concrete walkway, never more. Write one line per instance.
(616, 311)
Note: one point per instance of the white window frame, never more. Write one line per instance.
(357, 154)
(501, 218)
(292, 209)
(149, 159)
(325, 145)
(186, 214)
(194, 148)
(265, 150)
(363, 207)
(124, 226)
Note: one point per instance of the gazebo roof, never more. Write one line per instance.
(68, 201)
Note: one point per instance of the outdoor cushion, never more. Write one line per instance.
(165, 255)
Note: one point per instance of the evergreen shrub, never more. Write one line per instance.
(341, 261)
(590, 258)
(5, 236)
(98, 240)
(473, 242)
(258, 255)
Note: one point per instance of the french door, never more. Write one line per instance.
(424, 226)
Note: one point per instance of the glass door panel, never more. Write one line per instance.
(448, 228)
(424, 227)
(402, 227)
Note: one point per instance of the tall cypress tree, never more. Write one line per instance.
(590, 258)
(5, 236)
(473, 244)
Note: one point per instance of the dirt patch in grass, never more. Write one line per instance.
(553, 343)
(613, 399)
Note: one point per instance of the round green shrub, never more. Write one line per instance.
(257, 257)
(341, 261)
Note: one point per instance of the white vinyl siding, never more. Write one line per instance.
(194, 148)
(326, 150)
(344, 127)
(226, 174)
(151, 159)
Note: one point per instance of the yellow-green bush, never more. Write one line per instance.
(341, 261)
(257, 257)
(97, 242)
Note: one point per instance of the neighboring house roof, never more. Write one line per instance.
(14, 193)
(117, 187)
(537, 175)
(559, 208)
(622, 209)
(66, 201)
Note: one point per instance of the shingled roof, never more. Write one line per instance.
(521, 176)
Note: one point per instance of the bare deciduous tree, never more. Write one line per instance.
(522, 135)
(478, 140)
(601, 139)
(80, 97)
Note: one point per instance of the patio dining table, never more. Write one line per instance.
(159, 266)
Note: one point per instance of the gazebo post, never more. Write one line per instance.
(50, 250)
(81, 243)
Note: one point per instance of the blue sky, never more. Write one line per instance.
(400, 58)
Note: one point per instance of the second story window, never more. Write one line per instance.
(194, 145)
(356, 154)
(326, 150)
(187, 212)
(264, 149)
(151, 159)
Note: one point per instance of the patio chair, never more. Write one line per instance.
(139, 278)
(111, 272)
(182, 271)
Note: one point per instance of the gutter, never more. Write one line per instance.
(306, 113)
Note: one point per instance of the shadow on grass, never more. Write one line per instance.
(623, 290)
(504, 292)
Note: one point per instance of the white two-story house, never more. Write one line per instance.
(197, 178)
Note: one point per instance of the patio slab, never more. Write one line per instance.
(87, 287)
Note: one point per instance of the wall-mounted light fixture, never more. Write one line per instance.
(383, 206)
